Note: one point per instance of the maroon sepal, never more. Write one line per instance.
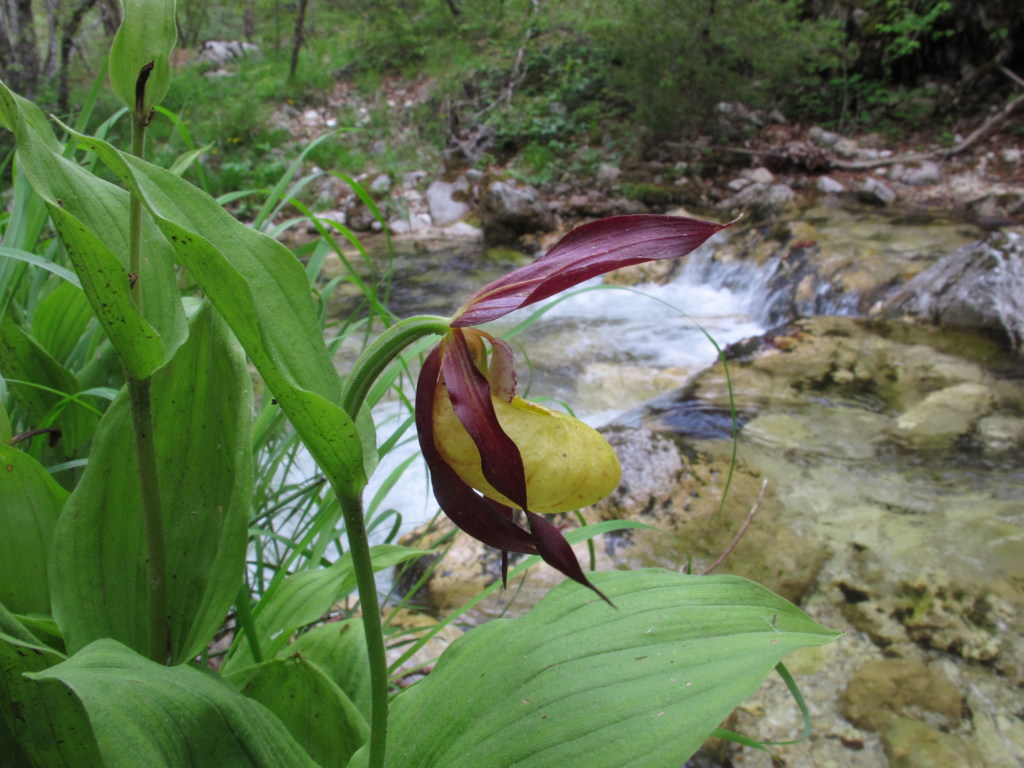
(587, 251)
(556, 552)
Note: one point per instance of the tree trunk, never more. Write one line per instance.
(110, 14)
(53, 13)
(249, 21)
(21, 59)
(68, 33)
(300, 38)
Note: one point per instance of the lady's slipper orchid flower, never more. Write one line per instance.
(489, 451)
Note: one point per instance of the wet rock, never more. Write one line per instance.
(885, 688)
(510, 211)
(448, 201)
(979, 286)
(945, 415)
(912, 744)
(1001, 434)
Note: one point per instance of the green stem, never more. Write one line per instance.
(371, 364)
(152, 519)
(359, 549)
(245, 621)
(135, 217)
(382, 352)
(139, 390)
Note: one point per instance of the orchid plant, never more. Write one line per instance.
(112, 589)
(475, 433)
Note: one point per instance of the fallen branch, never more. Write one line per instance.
(740, 532)
(824, 161)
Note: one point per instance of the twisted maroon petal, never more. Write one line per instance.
(470, 395)
(587, 251)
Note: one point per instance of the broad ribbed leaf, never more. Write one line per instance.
(47, 719)
(587, 251)
(575, 682)
(202, 406)
(146, 37)
(315, 710)
(305, 597)
(146, 714)
(31, 503)
(262, 292)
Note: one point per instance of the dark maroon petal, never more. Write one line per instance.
(587, 251)
(483, 519)
(556, 552)
(501, 373)
(470, 395)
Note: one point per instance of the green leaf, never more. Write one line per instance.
(146, 714)
(44, 389)
(304, 597)
(32, 501)
(147, 35)
(60, 318)
(41, 262)
(202, 412)
(47, 720)
(642, 685)
(5, 425)
(339, 649)
(262, 292)
(313, 708)
(91, 216)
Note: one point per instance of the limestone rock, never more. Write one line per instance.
(924, 173)
(448, 201)
(945, 415)
(874, 192)
(510, 211)
(979, 286)
(884, 688)
(912, 744)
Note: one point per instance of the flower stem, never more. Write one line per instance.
(359, 548)
(371, 364)
(152, 518)
(382, 352)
